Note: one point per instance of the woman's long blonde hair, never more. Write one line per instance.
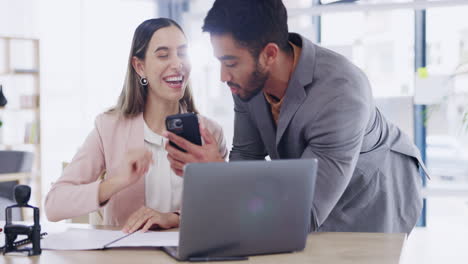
(133, 97)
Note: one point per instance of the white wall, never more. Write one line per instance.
(84, 51)
(18, 18)
(61, 83)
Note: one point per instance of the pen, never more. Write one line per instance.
(203, 259)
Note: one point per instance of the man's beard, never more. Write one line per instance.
(257, 80)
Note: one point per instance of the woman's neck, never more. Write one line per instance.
(156, 110)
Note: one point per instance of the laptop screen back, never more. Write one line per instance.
(246, 207)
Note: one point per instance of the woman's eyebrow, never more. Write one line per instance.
(184, 46)
(161, 48)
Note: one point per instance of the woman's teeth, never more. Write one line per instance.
(174, 79)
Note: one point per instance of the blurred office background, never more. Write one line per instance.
(63, 62)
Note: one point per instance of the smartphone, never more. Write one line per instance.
(186, 126)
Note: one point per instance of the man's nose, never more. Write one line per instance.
(225, 75)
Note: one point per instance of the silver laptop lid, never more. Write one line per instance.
(246, 207)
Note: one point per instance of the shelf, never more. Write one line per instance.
(20, 146)
(36, 109)
(20, 177)
(26, 70)
(18, 38)
(20, 72)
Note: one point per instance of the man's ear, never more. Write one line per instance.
(138, 66)
(269, 54)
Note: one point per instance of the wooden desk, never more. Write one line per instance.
(322, 248)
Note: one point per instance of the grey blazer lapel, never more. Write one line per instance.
(265, 123)
(302, 76)
(295, 96)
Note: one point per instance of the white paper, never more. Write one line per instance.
(80, 239)
(148, 239)
(88, 239)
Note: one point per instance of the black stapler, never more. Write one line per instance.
(22, 195)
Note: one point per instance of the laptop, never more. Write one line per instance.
(236, 209)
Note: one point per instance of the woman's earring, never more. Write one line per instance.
(143, 81)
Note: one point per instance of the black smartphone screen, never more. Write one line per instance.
(186, 126)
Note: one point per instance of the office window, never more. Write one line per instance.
(447, 134)
(380, 43)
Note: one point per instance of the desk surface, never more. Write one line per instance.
(321, 248)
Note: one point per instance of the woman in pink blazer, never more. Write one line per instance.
(156, 85)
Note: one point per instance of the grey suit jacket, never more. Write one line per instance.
(368, 178)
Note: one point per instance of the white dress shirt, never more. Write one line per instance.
(163, 188)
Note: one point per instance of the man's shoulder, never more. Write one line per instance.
(335, 74)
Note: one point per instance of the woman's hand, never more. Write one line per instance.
(135, 164)
(147, 218)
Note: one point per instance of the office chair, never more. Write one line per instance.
(12, 162)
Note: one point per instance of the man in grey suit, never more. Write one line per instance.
(294, 99)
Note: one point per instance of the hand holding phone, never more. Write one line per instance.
(186, 126)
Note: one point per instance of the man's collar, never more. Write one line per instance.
(304, 72)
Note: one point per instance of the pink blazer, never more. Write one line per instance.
(76, 191)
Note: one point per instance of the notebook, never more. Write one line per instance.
(89, 239)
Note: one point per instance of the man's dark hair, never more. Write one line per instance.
(252, 23)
